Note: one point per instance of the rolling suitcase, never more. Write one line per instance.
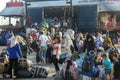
(40, 71)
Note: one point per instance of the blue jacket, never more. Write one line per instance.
(14, 52)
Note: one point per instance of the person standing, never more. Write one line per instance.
(56, 52)
(28, 30)
(107, 43)
(89, 44)
(68, 43)
(15, 53)
(43, 46)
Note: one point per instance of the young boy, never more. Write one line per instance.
(108, 66)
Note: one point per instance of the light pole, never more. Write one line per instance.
(72, 14)
(26, 11)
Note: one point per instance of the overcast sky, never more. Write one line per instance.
(3, 4)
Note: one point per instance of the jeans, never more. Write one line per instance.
(42, 53)
(13, 64)
(55, 62)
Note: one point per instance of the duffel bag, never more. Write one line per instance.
(40, 71)
(24, 63)
(24, 73)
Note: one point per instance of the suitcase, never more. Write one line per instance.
(40, 71)
(2, 67)
(24, 63)
(24, 73)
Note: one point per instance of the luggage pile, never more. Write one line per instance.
(82, 67)
(28, 70)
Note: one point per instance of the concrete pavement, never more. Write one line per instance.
(32, 58)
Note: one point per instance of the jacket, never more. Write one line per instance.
(14, 52)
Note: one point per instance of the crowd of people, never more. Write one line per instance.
(62, 39)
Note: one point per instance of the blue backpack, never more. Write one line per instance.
(88, 67)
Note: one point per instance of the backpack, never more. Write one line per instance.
(88, 62)
(71, 72)
(86, 65)
(89, 68)
(68, 74)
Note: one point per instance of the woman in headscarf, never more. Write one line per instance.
(89, 44)
(68, 43)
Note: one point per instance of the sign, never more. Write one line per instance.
(12, 4)
(39, 0)
(109, 6)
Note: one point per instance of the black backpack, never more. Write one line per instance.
(68, 74)
(86, 65)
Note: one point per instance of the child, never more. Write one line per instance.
(108, 66)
